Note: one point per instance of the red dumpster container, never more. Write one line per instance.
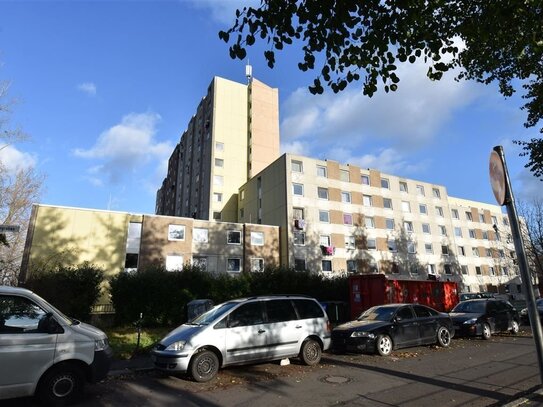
(367, 290)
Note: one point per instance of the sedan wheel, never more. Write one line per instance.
(486, 331)
(384, 345)
(443, 336)
(514, 327)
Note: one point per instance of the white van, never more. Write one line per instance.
(243, 331)
(46, 353)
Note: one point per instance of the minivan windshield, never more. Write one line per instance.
(213, 314)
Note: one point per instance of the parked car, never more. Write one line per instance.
(245, 331)
(383, 328)
(483, 317)
(46, 353)
(524, 312)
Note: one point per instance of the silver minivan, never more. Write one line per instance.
(245, 331)
(46, 353)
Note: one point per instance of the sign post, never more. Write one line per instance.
(501, 186)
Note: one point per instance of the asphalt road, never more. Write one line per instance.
(472, 372)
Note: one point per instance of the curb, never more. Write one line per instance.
(525, 399)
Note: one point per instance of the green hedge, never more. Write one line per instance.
(71, 289)
(161, 296)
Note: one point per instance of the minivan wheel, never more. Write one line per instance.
(204, 366)
(61, 386)
(383, 345)
(487, 333)
(311, 352)
(443, 336)
(514, 327)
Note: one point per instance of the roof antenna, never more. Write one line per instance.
(249, 72)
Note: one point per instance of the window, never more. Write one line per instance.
(371, 244)
(464, 269)
(408, 226)
(216, 216)
(174, 263)
(387, 203)
(442, 230)
(20, 315)
(350, 242)
(384, 183)
(423, 209)
(233, 265)
(200, 235)
(344, 175)
(458, 232)
(485, 235)
(472, 233)
(257, 264)
(494, 220)
(322, 193)
(346, 197)
(448, 269)
(435, 193)
(324, 216)
(308, 309)
(481, 218)
(475, 251)
(505, 222)
(217, 197)
(219, 146)
(411, 247)
(501, 253)
(131, 262)
(439, 211)
(403, 186)
(219, 162)
(365, 179)
(280, 311)
(326, 265)
(406, 207)
(257, 238)
(299, 238)
(431, 268)
(420, 190)
(324, 240)
(391, 244)
(488, 252)
(297, 166)
(298, 189)
(445, 250)
(426, 228)
(348, 219)
(241, 213)
(396, 270)
(468, 216)
(233, 237)
(454, 213)
(351, 266)
(461, 251)
(298, 213)
(369, 223)
(505, 271)
(176, 232)
(492, 271)
(299, 264)
(321, 171)
(242, 194)
(218, 180)
(200, 262)
(428, 248)
(367, 200)
(246, 315)
(389, 223)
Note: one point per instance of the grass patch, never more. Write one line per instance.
(123, 340)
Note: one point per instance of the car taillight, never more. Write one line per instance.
(328, 326)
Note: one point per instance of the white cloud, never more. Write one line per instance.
(294, 147)
(14, 160)
(223, 11)
(87, 87)
(125, 148)
(531, 187)
(408, 118)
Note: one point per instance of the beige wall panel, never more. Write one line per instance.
(354, 174)
(482, 251)
(334, 194)
(375, 178)
(486, 214)
(382, 244)
(338, 264)
(333, 169)
(491, 235)
(268, 252)
(378, 201)
(336, 217)
(380, 222)
(478, 234)
(475, 214)
(356, 198)
(338, 240)
(358, 219)
(484, 269)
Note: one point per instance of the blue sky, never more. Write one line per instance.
(106, 88)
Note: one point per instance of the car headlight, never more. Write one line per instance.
(362, 334)
(470, 321)
(100, 344)
(176, 346)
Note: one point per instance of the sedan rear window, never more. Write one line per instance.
(308, 309)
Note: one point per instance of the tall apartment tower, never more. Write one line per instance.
(233, 135)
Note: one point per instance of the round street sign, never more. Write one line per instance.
(497, 177)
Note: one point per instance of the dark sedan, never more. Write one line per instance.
(383, 328)
(483, 317)
(524, 312)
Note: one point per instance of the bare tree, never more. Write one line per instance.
(532, 225)
(19, 188)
